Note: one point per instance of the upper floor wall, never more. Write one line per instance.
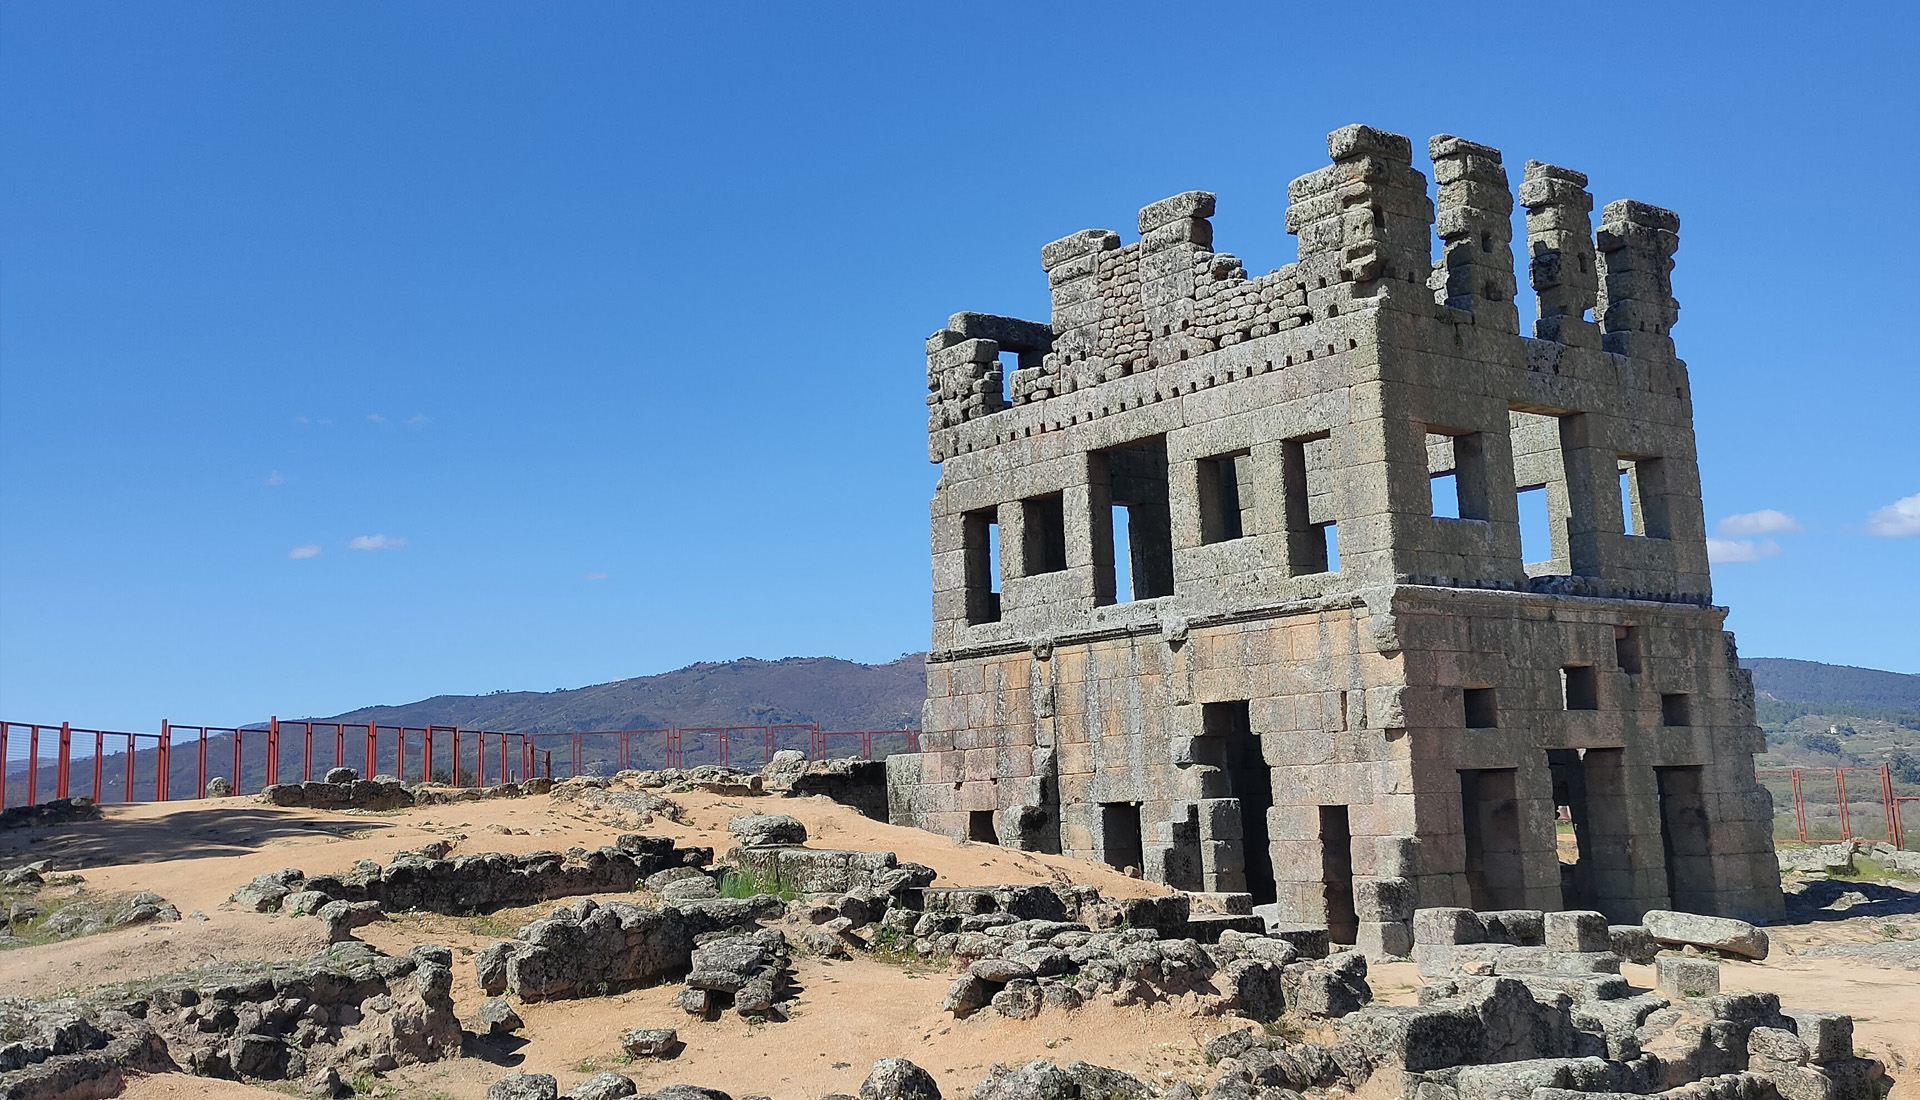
(1190, 438)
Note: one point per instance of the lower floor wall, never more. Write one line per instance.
(1320, 763)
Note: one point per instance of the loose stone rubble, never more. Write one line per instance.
(744, 971)
(58, 811)
(343, 789)
(348, 1008)
(591, 949)
(477, 883)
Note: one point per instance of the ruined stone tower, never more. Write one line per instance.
(1229, 583)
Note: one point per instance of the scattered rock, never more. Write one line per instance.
(342, 775)
(497, 1017)
(219, 787)
(651, 1042)
(1723, 934)
(525, 1086)
(768, 830)
(898, 1079)
(605, 1085)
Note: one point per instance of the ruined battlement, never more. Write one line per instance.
(1364, 225)
(1333, 586)
(1344, 390)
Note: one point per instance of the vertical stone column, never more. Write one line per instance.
(1474, 222)
(1173, 232)
(1560, 263)
(1636, 304)
(1365, 221)
(1072, 265)
(963, 382)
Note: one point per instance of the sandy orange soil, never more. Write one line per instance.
(843, 1016)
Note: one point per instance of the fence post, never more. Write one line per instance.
(273, 751)
(455, 755)
(99, 751)
(373, 747)
(63, 760)
(162, 762)
(1840, 786)
(33, 765)
(306, 755)
(201, 768)
(237, 734)
(1886, 800)
(4, 726)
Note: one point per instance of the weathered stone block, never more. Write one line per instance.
(1679, 976)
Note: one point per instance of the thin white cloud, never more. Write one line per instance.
(418, 419)
(299, 420)
(375, 542)
(376, 418)
(307, 550)
(1766, 521)
(1721, 551)
(274, 479)
(1899, 520)
(596, 576)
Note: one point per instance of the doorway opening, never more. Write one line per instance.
(1686, 839)
(980, 827)
(1336, 874)
(1121, 845)
(1229, 743)
(1572, 829)
(1491, 814)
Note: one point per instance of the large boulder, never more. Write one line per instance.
(525, 1086)
(767, 830)
(1722, 934)
(898, 1079)
(781, 772)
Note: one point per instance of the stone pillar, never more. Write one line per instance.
(1173, 232)
(1363, 222)
(1636, 304)
(1474, 222)
(1072, 265)
(1560, 263)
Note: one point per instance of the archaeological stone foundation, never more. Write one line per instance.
(1329, 590)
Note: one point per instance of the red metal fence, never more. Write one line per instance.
(448, 754)
(1820, 808)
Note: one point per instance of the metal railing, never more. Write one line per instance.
(460, 757)
(1830, 790)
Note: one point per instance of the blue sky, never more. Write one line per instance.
(352, 353)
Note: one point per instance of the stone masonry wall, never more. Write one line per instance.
(1322, 471)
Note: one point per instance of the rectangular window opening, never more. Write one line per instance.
(1643, 497)
(1443, 479)
(1226, 505)
(980, 532)
(1536, 528)
(1306, 478)
(1456, 477)
(1120, 836)
(1138, 540)
(1629, 516)
(1626, 649)
(1122, 554)
(1482, 709)
(980, 827)
(1676, 710)
(1044, 520)
(1579, 688)
(1551, 510)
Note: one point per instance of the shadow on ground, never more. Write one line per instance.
(1810, 904)
(188, 834)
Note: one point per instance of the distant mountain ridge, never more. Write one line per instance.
(835, 694)
(1794, 681)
